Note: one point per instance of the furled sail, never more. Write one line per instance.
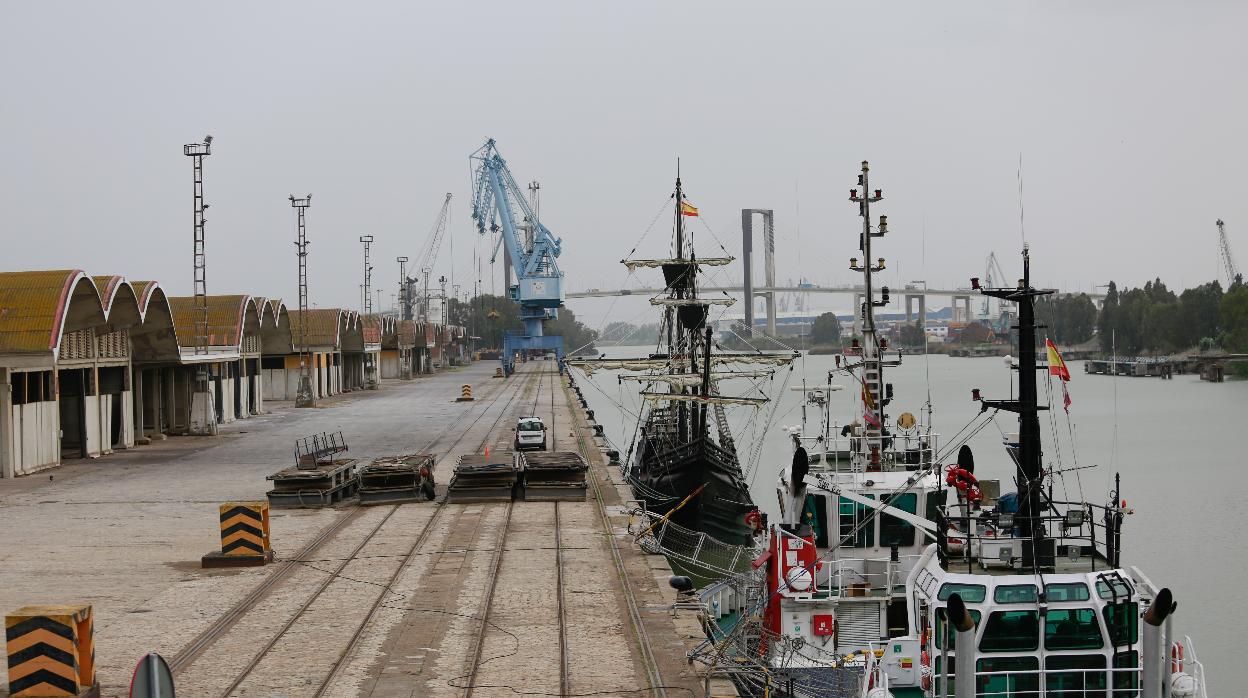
(692, 301)
(710, 400)
(644, 364)
(686, 380)
(633, 264)
(591, 365)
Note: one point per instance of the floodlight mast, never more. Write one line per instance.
(206, 423)
(366, 306)
(304, 396)
(405, 289)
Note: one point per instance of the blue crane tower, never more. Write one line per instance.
(496, 200)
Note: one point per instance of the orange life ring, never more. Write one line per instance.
(965, 482)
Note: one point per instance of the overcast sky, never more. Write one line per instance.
(1128, 116)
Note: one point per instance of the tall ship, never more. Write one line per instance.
(978, 593)
(683, 464)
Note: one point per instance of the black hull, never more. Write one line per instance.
(664, 476)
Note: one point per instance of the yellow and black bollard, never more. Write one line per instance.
(244, 536)
(51, 651)
(498, 372)
(465, 394)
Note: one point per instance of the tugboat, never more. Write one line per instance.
(683, 463)
(1022, 595)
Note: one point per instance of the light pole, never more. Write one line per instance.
(203, 412)
(304, 396)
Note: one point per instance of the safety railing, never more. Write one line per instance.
(853, 577)
(1117, 682)
(851, 453)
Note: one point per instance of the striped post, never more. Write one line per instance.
(245, 528)
(51, 651)
(244, 536)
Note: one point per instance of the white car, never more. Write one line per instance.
(530, 434)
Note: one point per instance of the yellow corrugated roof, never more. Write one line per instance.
(225, 319)
(323, 326)
(371, 328)
(32, 308)
(107, 286)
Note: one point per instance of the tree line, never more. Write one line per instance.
(1153, 318)
(489, 316)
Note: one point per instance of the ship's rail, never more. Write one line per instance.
(1082, 535)
(857, 577)
(1112, 682)
(702, 555)
(846, 453)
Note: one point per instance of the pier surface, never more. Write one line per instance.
(415, 599)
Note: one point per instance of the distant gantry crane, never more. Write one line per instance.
(1224, 251)
(496, 198)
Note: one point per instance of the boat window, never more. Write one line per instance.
(953, 633)
(1015, 593)
(1072, 629)
(815, 513)
(1002, 681)
(971, 593)
(1121, 590)
(1011, 631)
(1126, 677)
(1081, 679)
(853, 514)
(1123, 621)
(895, 531)
(1075, 591)
(934, 501)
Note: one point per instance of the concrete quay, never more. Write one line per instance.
(417, 599)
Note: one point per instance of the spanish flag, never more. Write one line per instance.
(1057, 367)
(688, 209)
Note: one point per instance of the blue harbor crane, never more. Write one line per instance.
(499, 206)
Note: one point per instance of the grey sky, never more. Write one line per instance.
(1129, 117)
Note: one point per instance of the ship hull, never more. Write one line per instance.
(664, 477)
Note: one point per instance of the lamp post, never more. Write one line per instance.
(304, 396)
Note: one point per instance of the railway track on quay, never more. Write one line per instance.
(312, 611)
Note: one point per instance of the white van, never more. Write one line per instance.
(530, 434)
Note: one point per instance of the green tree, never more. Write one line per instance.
(1202, 312)
(1069, 319)
(1234, 318)
(826, 329)
(913, 335)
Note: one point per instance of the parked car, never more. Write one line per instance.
(530, 434)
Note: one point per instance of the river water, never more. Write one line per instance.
(1177, 444)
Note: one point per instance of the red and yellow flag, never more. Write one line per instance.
(1057, 367)
(688, 209)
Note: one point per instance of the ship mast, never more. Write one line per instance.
(872, 374)
(1038, 550)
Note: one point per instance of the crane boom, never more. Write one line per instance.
(433, 242)
(499, 206)
(1224, 250)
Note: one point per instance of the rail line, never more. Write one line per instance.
(228, 620)
(642, 638)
